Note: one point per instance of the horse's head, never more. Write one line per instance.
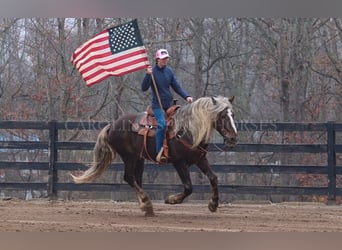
(225, 123)
(205, 114)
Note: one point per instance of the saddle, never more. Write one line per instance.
(145, 124)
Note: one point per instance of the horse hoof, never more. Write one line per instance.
(212, 207)
(149, 214)
(174, 199)
(148, 209)
(170, 200)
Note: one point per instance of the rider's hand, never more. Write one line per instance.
(189, 99)
(149, 70)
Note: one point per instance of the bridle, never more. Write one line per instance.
(227, 131)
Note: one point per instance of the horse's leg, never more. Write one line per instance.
(144, 201)
(133, 176)
(183, 172)
(139, 170)
(204, 166)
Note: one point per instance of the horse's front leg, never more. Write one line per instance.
(204, 166)
(133, 176)
(183, 172)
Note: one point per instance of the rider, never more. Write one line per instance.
(164, 78)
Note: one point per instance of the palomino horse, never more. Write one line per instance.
(194, 125)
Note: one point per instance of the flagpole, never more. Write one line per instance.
(157, 92)
(164, 146)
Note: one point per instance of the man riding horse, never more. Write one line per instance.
(160, 78)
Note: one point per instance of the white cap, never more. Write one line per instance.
(162, 53)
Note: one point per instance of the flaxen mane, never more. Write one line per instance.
(198, 117)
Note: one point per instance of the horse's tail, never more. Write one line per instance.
(103, 157)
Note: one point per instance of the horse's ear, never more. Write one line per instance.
(214, 100)
(232, 99)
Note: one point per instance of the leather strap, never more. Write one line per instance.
(202, 151)
(145, 144)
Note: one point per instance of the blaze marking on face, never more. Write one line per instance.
(230, 115)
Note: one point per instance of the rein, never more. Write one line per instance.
(219, 149)
(189, 146)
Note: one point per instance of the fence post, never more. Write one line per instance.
(331, 163)
(52, 175)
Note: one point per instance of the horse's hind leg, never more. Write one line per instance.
(145, 203)
(184, 175)
(203, 165)
(139, 170)
(133, 176)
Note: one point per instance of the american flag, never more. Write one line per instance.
(113, 52)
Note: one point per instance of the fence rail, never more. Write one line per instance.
(53, 146)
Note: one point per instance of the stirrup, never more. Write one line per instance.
(160, 157)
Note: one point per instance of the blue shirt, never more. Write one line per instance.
(164, 78)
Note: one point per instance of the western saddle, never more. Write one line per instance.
(145, 124)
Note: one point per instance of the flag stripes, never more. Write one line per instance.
(95, 59)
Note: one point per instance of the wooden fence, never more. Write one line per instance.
(52, 146)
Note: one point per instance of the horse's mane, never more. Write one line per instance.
(198, 117)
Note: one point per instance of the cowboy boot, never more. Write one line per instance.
(161, 159)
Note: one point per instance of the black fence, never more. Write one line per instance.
(52, 146)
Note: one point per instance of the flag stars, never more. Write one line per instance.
(122, 38)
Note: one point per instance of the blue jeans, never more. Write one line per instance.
(161, 127)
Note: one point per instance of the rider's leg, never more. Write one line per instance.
(160, 133)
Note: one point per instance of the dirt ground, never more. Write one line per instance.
(108, 216)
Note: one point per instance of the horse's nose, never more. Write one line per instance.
(233, 139)
(230, 141)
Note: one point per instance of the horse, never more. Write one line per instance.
(193, 127)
